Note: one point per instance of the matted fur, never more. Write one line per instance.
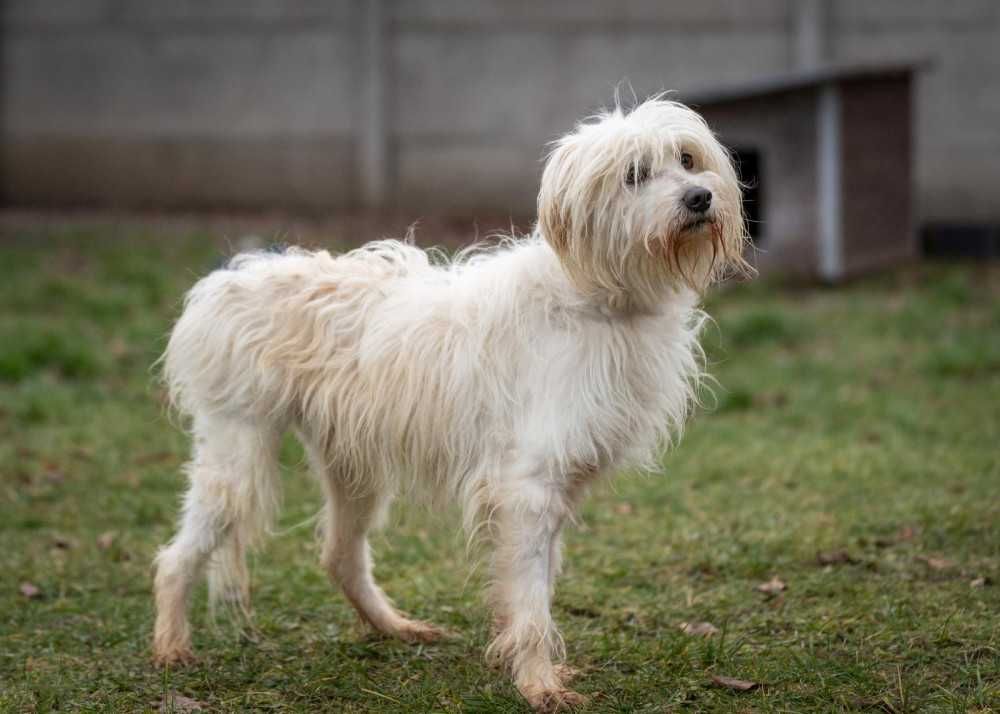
(508, 379)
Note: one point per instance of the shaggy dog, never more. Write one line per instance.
(509, 379)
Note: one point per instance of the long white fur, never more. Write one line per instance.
(507, 380)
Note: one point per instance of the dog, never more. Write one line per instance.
(509, 379)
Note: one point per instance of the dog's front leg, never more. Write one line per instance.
(526, 525)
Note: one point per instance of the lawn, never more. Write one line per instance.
(851, 452)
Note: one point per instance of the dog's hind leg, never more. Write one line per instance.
(229, 504)
(348, 516)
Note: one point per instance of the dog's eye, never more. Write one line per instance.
(635, 174)
(687, 161)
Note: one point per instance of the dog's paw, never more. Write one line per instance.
(173, 657)
(419, 631)
(566, 673)
(558, 699)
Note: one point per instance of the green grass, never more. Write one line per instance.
(843, 419)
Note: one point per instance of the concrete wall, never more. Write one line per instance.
(182, 103)
(258, 103)
(479, 87)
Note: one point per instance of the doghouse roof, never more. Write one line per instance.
(803, 79)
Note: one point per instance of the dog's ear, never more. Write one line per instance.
(554, 215)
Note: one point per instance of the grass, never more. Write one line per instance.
(863, 420)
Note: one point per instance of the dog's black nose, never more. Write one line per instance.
(698, 199)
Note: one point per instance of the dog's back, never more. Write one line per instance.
(267, 321)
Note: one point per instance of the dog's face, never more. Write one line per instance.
(637, 204)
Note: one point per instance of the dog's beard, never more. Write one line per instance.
(691, 252)
(694, 250)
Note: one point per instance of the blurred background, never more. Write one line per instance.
(869, 131)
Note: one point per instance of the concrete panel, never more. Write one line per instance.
(496, 178)
(114, 83)
(504, 12)
(959, 185)
(314, 173)
(535, 85)
(896, 14)
(54, 14)
(157, 11)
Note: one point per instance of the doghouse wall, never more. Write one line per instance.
(781, 129)
(877, 175)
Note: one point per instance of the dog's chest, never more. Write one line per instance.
(603, 395)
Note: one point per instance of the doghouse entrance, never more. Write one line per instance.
(748, 169)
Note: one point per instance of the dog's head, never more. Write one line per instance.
(639, 203)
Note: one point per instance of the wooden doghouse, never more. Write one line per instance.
(827, 158)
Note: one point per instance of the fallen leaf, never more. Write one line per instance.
(772, 587)
(106, 539)
(624, 509)
(54, 477)
(835, 557)
(738, 685)
(904, 535)
(699, 629)
(174, 702)
(936, 563)
(30, 591)
(83, 453)
(631, 618)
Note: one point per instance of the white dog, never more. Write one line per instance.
(509, 380)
